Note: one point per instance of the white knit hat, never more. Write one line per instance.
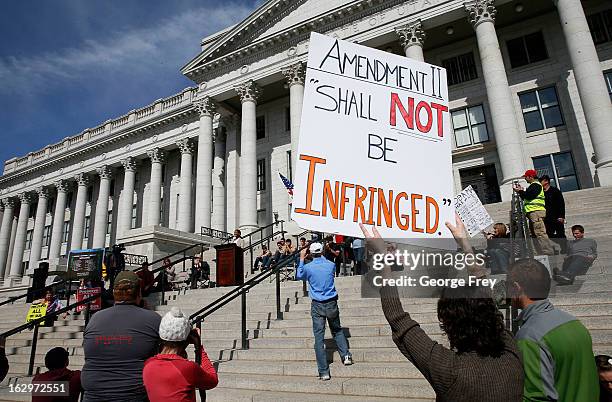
(174, 326)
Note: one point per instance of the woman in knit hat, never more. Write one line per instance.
(169, 376)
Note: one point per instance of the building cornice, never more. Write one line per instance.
(159, 113)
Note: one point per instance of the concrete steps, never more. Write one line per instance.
(280, 362)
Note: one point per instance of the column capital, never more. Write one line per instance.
(25, 198)
(185, 145)
(129, 164)
(156, 155)
(8, 203)
(295, 74)
(411, 34)
(42, 192)
(205, 106)
(61, 185)
(104, 172)
(248, 91)
(82, 179)
(480, 11)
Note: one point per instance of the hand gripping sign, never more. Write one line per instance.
(375, 144)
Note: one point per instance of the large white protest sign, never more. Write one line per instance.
(375, 144)
(471, 211)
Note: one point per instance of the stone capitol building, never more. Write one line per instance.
(530, 83)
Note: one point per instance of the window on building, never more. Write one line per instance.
(600, 25)
(28, 240)
(260, 127)
(287, 118)
(469, 126)
(289, 167)
(112, 188)
(527, 49)
(50, 205)
(135, 216)
(261, 174)
(560, 168)
(176, 207)
(608, 78)
(25, 265)
(460, 69)
(65, 231)
(69, 198)
(541, 109)
(87, 227)
(90, 194)
(33, 208)
(46, 235)
(109, 222)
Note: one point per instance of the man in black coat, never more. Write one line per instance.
(555, 213)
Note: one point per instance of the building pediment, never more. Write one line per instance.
(274, 23)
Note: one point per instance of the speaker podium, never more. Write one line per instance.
(230, 265)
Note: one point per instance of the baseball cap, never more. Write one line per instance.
(530, 173)
(316, 248)
(126, 277)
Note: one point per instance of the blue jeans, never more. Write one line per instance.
(322, 312)
(499, 260)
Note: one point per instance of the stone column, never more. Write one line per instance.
(155, 194)
(55, 246)
(249, 93)
(412, 38)
(39, 227)
(218, 181)
(185, 221)
(9, 259)
(232, 146)
(592, 88)
(78, 222)
(295, 75)
(126, 200)
(101, 217)
(5, 233)
(508, 137)
(20, 237)
(207, 108)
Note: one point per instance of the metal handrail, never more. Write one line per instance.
(11, 300)
(36, 324)
(197, 317)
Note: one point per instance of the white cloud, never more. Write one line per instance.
(174, 41)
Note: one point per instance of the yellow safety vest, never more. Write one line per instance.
(538, 203)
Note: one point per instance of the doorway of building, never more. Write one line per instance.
(484, 181)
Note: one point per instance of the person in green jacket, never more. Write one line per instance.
(557, 349)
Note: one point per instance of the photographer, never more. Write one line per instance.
(535, 209)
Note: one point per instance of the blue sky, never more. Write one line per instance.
(66, 65)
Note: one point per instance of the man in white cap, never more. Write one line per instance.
(320, 277)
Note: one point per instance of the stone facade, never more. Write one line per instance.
(209, 156)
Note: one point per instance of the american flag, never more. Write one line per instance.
(287, 183)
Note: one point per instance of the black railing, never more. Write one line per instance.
(253, 241)
(215, 233)
(199, 316)
(12, 299)
(35, 324)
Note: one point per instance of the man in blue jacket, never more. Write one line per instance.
(320, 276)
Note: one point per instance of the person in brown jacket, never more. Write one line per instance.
(483, 362)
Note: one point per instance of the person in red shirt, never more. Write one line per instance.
(56, 361)
(147, 279)
(169, 376)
